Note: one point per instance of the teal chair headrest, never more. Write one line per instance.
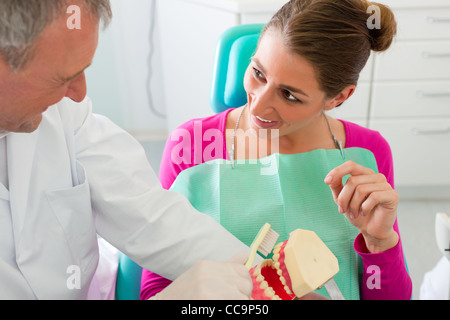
(235, 48)
(128, 282)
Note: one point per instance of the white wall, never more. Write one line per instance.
(118, 80)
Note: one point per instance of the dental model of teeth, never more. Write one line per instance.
(300, 265)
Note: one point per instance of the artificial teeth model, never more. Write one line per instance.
(300, 265)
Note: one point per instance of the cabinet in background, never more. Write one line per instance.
(410, 99)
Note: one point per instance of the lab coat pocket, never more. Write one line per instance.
(72, 207)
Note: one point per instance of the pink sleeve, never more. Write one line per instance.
(385, 275)
(152, 284)
(186, 147)
(175, 157)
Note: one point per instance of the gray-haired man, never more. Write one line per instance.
(67, 175)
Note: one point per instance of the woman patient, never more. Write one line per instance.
(308, 61)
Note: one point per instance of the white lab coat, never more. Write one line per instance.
(79, 175)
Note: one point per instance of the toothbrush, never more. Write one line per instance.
(264, 242)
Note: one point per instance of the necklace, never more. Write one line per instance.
(337, 142)
(232, 153)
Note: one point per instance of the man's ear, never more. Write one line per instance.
(340, 98)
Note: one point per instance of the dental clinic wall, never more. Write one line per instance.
(121, 80)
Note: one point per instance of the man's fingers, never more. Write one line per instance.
(237, 263)
(240, 258)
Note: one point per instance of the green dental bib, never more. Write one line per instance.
(287, 191)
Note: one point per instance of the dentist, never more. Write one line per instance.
(67, 175)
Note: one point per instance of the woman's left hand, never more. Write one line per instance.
(368, 202)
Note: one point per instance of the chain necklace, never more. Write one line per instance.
(232, 152)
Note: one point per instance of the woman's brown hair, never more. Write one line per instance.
(335, 36)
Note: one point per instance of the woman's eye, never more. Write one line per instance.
(288, 96)
(258, 74)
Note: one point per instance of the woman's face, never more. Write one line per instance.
(283, 92)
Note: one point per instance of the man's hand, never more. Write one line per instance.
(211, 280)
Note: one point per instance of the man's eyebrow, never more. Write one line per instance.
(76, 75)
(290, 88)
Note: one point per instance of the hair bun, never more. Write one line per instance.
(382, 26)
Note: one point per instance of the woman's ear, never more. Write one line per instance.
(340, 98)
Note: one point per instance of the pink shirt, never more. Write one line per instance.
(395, 280)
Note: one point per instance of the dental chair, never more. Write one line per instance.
(128, 282)
(436, 282)
(234, 50)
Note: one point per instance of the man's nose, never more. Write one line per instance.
(77, 88)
